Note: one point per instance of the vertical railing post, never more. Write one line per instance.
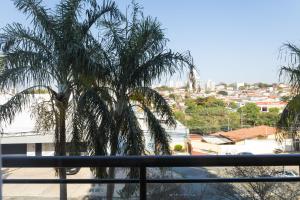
(143, 183)
(1, 178)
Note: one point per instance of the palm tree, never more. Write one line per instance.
(54, 53)
(289, 122)
(138, 56)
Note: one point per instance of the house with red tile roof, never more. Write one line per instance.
(254, 140)
(248, 133)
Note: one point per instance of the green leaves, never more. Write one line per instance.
(96, 14)
(289, 122)
(98, 67)
(134, 137)
(138, 55)
(291, 71)
(250, 113)
(15, 104)
(41, 19)
(158, 133)
(98, 77)
(156, 102)
(289, 119)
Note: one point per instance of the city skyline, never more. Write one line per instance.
(230, 41)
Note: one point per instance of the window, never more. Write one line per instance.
(264, 109)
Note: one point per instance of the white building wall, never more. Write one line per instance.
(266, 146)
(177, 135)
(31, 149)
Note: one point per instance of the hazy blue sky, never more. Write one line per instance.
(230, 40)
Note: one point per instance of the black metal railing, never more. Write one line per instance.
(144, 162)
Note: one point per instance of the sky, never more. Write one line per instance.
(230, 41)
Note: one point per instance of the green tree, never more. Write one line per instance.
(53, 54)
(164, 88)
(175, 97)
(242, 88)
(263, 85)
(269, 118)
(285, 98)
(234, 120)
(289, 122)
(224, 93)
(138, 56)
(180, 116)
(191, 105)
(208, 115)
(249, 114)
(210, 102)
(233, 105)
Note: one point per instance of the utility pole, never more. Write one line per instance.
(241, 120)
(227, 123)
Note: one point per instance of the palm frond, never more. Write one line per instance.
(16, 36)
(293, 52)
(15, 105)
(151, 98)
(292, 70)
(130, 189)
(114, 34)
(93, 63)
(287, 119)
(44, 116)
(93, 109)
(16, 74)
(147, 38)
(158, 133)
(134, 143)
(96, 12)
(159, 65)
(96, 122)
(68, 12)
(41, 18)
(293, 75)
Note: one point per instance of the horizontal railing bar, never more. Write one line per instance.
(122, 181)
(151, 161)
(227, 180)
(68, 181)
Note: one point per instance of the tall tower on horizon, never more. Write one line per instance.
(193, 82)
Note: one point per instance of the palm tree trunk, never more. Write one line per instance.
(114, 146)
(62, 150)
(111, 186)
(111, 174)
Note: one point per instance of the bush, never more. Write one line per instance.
(178, 147)
(224, 93)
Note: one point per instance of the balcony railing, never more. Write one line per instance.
(144, 162)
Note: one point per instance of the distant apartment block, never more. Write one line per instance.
(210, 85)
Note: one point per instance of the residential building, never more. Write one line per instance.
(210, 86)
(178, 134)
(238, 85)
(22, 138)
(265, 106)
(256, 140)
(221, 87)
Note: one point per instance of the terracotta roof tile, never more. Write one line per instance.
(197, 153)
(271, 103)
(247, 133)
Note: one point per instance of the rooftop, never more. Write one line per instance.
(247, 133)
